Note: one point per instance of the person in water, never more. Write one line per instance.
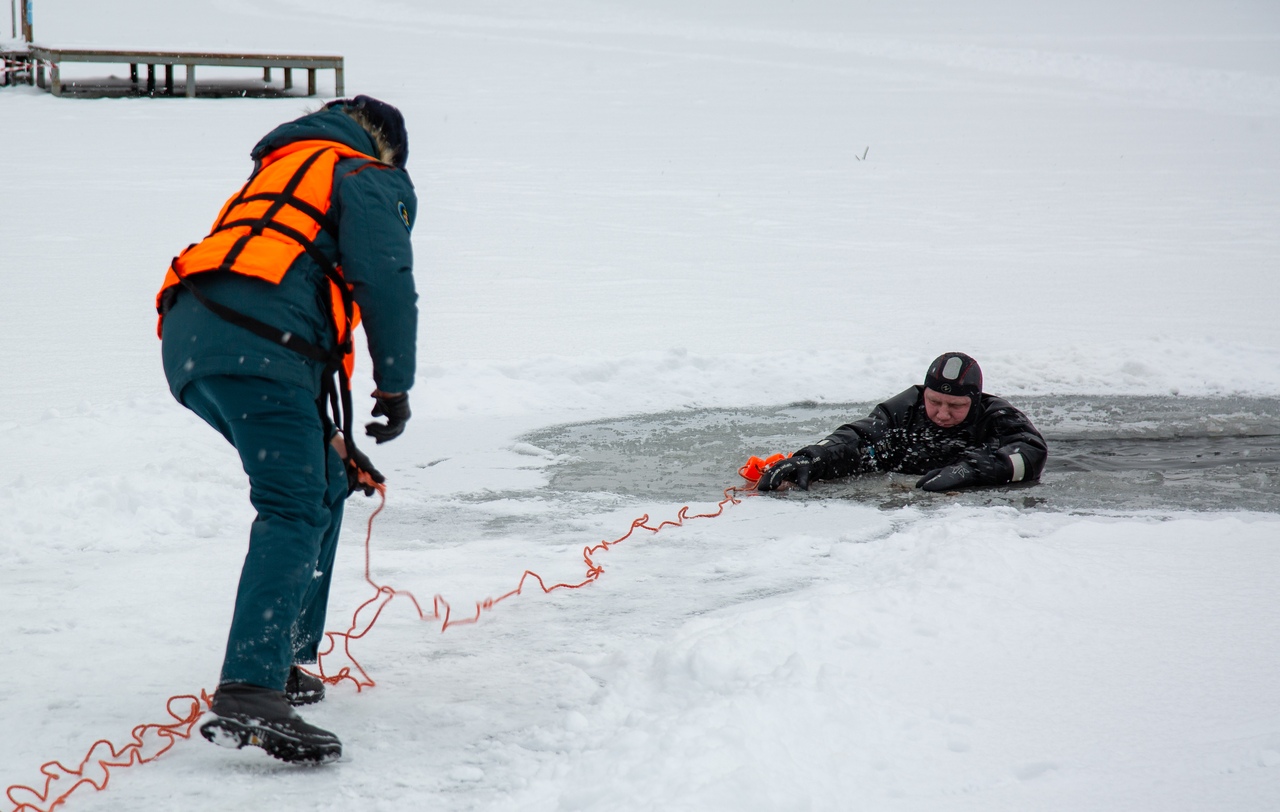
(945, 429)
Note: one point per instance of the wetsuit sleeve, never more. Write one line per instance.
(1014, 445)
(861, 446)
(378, 207)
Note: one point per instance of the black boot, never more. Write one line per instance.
(252, 715)
(302, 688)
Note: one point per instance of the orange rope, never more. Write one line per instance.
(96, 770)
(441, 609)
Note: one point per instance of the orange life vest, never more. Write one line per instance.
(263, 228)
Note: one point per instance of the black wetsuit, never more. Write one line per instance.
(899, 436)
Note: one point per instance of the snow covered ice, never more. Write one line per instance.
(635, 217)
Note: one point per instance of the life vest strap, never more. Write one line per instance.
(268, 216)
(308, 245)
(262, 329)
(326, 222)
(341, 411)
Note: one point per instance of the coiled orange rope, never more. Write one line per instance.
(150, 741)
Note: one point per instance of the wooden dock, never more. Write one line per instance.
(54, 58)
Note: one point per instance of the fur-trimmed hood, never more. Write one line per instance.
(349, 127)
(386, 153)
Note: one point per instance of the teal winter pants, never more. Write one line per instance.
(298, 485)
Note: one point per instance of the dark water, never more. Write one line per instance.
(1105, 453)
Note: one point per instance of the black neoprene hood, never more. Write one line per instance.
(954, 373)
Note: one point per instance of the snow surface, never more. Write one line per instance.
(630, 208)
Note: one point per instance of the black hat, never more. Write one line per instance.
(954, 373)
(387, 119)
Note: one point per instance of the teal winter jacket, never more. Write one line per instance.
(374, 207)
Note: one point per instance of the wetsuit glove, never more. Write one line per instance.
(991, 467)
(973, 468)
(948, 477)
(361, 475)
(393, 407)
(796, 468)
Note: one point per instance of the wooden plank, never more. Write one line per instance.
(190, 59)
(195, 57)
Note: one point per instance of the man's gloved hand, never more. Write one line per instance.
(992, 467)
(948, 477)
(793, 469)
(361, 475)
(973, 468)
(393, 407)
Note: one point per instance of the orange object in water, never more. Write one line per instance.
(755, 466)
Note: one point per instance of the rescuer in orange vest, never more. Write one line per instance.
(256, 322)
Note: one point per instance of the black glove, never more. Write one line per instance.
(361, 475)
(973, 468)
(793, 469)
(393, 407)
(948, 478)
(992, 467)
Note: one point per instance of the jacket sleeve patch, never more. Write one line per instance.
(404, 214)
